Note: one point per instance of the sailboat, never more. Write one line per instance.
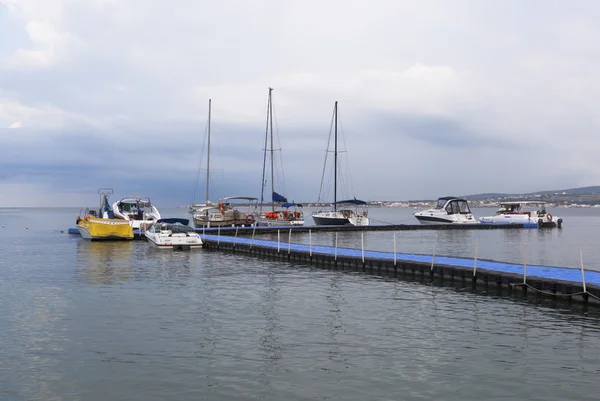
(283, 216)
(341, 214)
(224, 213)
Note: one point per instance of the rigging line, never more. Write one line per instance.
(199, 169)
(281, 176)
(221, 169)
(349, 177)
(263, 182)
(343, 164)
(326, 152)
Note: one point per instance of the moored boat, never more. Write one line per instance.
(282, 213)
(102, 225)
(448, 210)
(137, 210)
(224, 214)
(523, 212)
(345, 216)
(173, 233)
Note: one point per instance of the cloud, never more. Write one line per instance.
(111, 91)
(16, 124)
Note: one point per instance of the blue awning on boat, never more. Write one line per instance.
(278, 198)
(290, 204)
(352, 201)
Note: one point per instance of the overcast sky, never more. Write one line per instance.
(448, 97)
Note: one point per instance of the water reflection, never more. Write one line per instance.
(171, 265)
(270, 345)
(105, 262)
(334, 322)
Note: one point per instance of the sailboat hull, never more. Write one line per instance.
(330, 219)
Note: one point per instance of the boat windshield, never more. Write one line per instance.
(176, 228)
(458, 207)
(132, 206)
(441, 203)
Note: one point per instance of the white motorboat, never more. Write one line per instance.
(138, 210)
(277, 216)
(173, 233)
(515, 212)
(448, 210)
(340, 217)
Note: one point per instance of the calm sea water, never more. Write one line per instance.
(121, 321)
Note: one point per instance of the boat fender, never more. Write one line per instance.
(286, 214)
(549, 217)
(250, 219)
(540, 222)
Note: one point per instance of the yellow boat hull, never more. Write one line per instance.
(97, 229)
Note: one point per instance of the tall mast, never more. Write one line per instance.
(335, 162)
(263, 182)
(272, 170)
(208, 157)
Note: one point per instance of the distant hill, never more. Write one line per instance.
(571, 191)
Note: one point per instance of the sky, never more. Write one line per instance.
(436, 97)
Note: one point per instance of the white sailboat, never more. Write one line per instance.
(289, 213)
(346, 212)
(224, 213)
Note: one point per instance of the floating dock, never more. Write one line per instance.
(387, 227)
(390, 227)
(554, 282)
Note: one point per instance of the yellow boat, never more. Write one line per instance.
(103, 226)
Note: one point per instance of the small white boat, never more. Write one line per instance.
(138, 210)
(173, 234)
(514, 213)
(449, 210)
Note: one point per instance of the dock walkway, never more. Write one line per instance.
(547, 280)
